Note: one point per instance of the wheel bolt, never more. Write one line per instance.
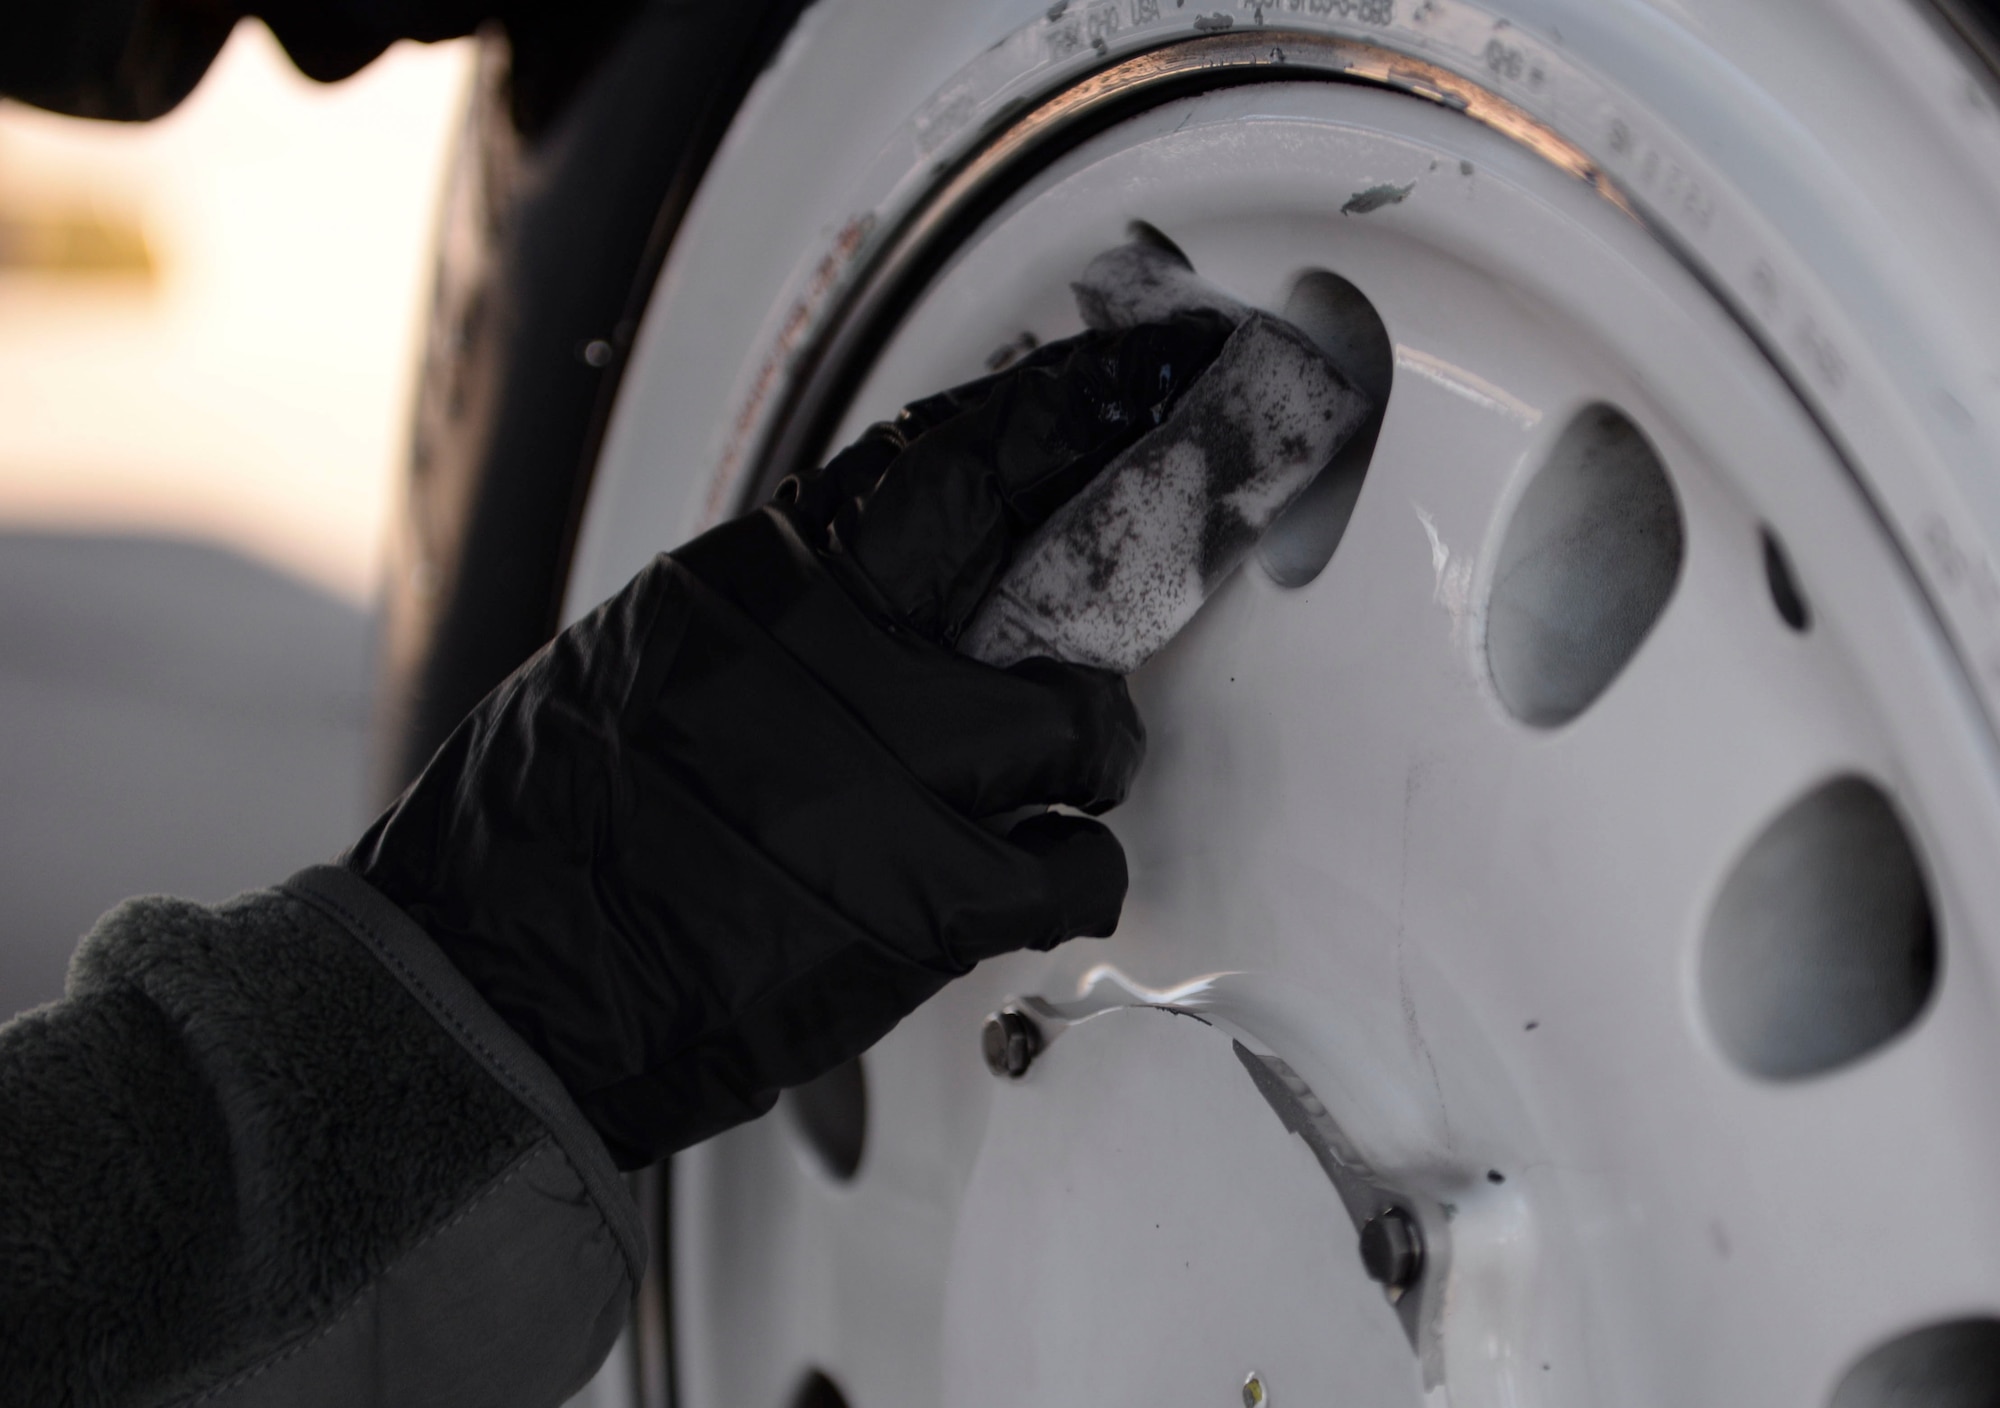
(1010, 1042)
(1392, 1249)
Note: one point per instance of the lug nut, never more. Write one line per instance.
(1392, 1250)
(1010, 1042)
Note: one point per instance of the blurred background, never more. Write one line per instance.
(209, 330)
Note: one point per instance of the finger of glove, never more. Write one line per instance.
(921, 417)
(989, 741)
(944, 521)
(1075, 735)
(783, 764)
(1085, 868)
(984, 740)
(817, 495)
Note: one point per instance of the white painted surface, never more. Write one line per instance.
(1128, 1227)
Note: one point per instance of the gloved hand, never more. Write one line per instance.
(723, 833)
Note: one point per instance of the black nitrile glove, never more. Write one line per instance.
(723, 833)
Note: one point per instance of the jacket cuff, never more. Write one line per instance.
(401, 946)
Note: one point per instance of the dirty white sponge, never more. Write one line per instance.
(1125, 564)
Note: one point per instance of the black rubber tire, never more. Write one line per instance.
(569, 182)
(1976, 24)
(567, 188)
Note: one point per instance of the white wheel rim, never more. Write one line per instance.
(1329, 849)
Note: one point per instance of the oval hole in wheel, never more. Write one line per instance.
(1586, 566)
(1953, 1365)
(1821, 945)
(831, 1115)
(818, 1391)
(1341, 321)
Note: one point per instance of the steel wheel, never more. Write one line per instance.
(1573, 843)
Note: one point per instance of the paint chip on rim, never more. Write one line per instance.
(1375, 197)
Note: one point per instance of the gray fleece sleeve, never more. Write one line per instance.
(278, 1151)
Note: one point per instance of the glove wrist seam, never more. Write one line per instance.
(414, 959)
